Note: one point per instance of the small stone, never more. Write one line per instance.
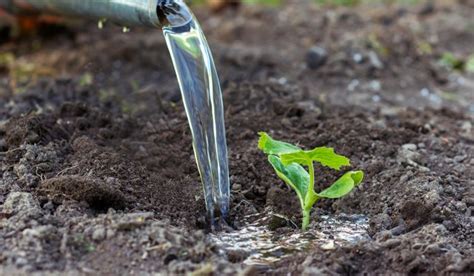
(20, 261)
(278, 221)
(328, 246)
(316, 57)
(398, 230)
(391, 243)
(433, 249)
(357, 57)
(99, 234)
(383, 235)
(375, 85)
(461, 206)
(459, 158)
(236, 187)
(375, 61)
(466, 126)
(48, 206)
(432, 198)
(353, 85)
(411, 147)
(110, 233)
(408, 155)
(449, 224)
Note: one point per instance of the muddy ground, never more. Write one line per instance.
(98, 174)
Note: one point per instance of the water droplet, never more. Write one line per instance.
(357, 57)
(425, 92)
(353, 85)
(101, 23)
(376, 98)
(375, 85)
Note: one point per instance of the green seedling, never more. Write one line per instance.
(289, 161)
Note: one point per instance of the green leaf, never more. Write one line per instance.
(271, 146)
(324, 155)
(327, 157)
(343, 185)
(294, 176)
(300, 157)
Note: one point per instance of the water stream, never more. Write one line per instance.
(202, 98)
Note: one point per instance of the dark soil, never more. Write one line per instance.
(98, 172)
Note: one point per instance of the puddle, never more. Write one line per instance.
(265, 247)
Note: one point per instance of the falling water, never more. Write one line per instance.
(202, 98)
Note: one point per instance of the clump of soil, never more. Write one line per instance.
(98, 172)
(96, 193)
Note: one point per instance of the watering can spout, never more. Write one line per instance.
(151, 13)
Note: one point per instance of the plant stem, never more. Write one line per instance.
(310, 197)
(311, 176)
(306, 216)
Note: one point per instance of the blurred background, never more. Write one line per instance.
(378, 48)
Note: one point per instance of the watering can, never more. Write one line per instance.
(151, 13)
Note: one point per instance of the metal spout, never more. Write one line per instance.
(151, 13)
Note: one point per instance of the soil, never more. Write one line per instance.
(98, 172)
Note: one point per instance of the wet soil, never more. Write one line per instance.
(98, 172)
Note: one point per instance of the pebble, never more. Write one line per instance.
(432, 197)
(400, 229)
(409, 147)
(375, 85)
(449, 224)
(110, 233)
(278, 221)
(461, 206)
(374, 60)
(357, 57)
(466, 126)
(434, 249)
(391, 243)
(236, 187)
(99, 234)
(353, 85)
(328, 246)
(316, 57)
(459, 158)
